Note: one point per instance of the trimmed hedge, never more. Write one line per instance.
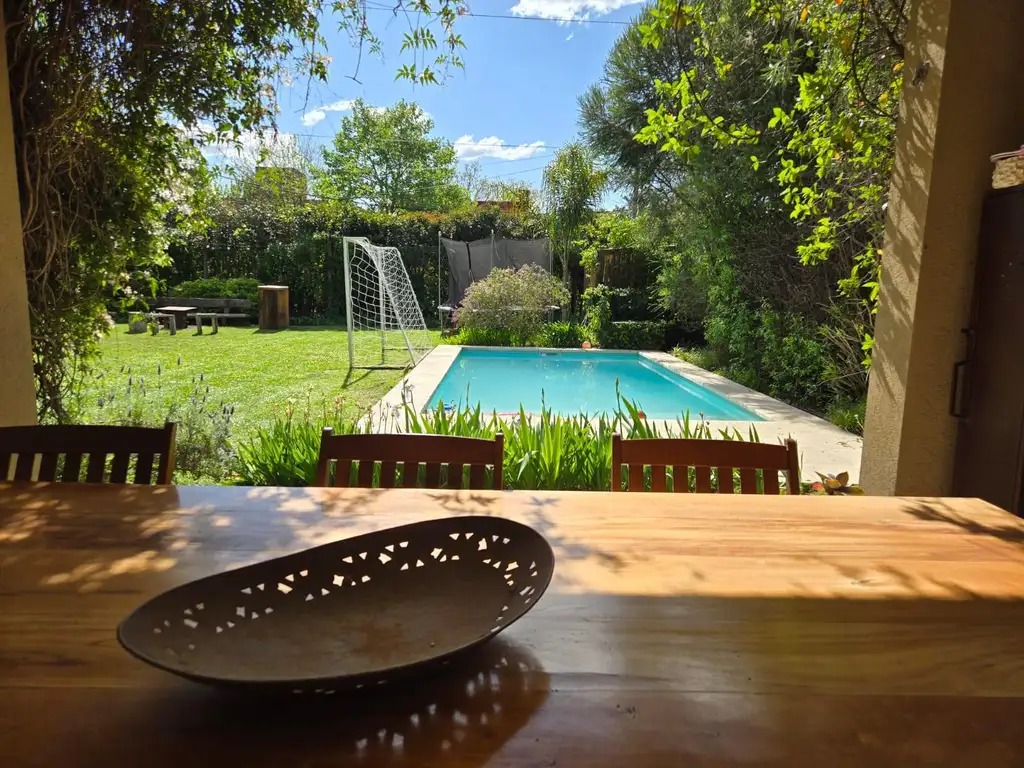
(555, 335)
(637, 334)
(219, 288)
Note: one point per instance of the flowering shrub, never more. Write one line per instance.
(514, 300)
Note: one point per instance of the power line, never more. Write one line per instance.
(559, 20)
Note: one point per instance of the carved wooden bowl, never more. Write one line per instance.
(351, 614)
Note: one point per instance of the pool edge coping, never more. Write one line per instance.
(824, 447)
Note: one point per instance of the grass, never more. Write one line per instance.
(261, 373)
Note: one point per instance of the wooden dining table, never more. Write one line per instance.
(678, 630)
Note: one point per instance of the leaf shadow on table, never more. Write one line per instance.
(463, 713)
(939, 511)
(537, 517)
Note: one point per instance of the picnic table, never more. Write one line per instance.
(678, 630)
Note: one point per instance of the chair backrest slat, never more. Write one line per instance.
(723, 456)
(658, 479)
(433, 479)
(410, 474)
(703, 479)
(477, 476)
(23, 469)
(636, 476)
(72, 468)
(365, 479)
(50, 443)
(144, 469)
(48, 467)
(97, 464)
(343, 473)
(726, 482)
(119, 467)
(681, 478)
(388, 479)
(748, 480)
(407, 452)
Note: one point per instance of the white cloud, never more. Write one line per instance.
(314, 116)
(468, 149)
(570, 36)
(569, 9)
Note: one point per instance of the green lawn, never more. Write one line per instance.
(261, 374)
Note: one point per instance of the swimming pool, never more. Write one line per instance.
(575, 381)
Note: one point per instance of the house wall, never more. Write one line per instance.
(965, 108)
(17, 388)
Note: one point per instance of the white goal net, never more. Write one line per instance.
(385, 322)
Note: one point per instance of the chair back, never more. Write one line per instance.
(64, 453)
(396, 460)
(692, 462)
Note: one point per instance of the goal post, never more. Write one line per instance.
(383, 317)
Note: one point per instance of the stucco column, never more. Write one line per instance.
(17, 387)
(964, 75)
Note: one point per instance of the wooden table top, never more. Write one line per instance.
(678, 631)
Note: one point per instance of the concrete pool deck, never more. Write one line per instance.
(824, 447)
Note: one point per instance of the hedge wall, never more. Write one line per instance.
(301, 247)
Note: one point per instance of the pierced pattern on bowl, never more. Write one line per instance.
(212, 609)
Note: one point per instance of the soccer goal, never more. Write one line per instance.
(385, 322)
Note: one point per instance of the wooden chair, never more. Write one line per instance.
(703, 455)
(409, 451)
(74, 443)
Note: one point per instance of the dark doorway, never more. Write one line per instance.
(988, 386)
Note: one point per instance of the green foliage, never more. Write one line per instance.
(849, 415)
(218, 288)
(637, 334)
(777, 352)
(835, 72)
(543, 452)
(572, 185)
(109, 102)
(624, 252)
(513, 300)
(565, 335)
(763, 138)
(431, 55)
(286, 452)
(260, 374)
(702, 357)
(385, 160)
(597, 314)
(138, 397)
(611, 113)
(300, 246)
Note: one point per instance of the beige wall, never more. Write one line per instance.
(966, 108)
(17, 388)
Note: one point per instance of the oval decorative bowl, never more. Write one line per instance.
(351, 614)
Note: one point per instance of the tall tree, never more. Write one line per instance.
(108, 101)
(614, 110)
(572, 185)
(386, 160)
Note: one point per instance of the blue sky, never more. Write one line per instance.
(512, 106)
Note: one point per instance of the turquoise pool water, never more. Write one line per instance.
(575, 381)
